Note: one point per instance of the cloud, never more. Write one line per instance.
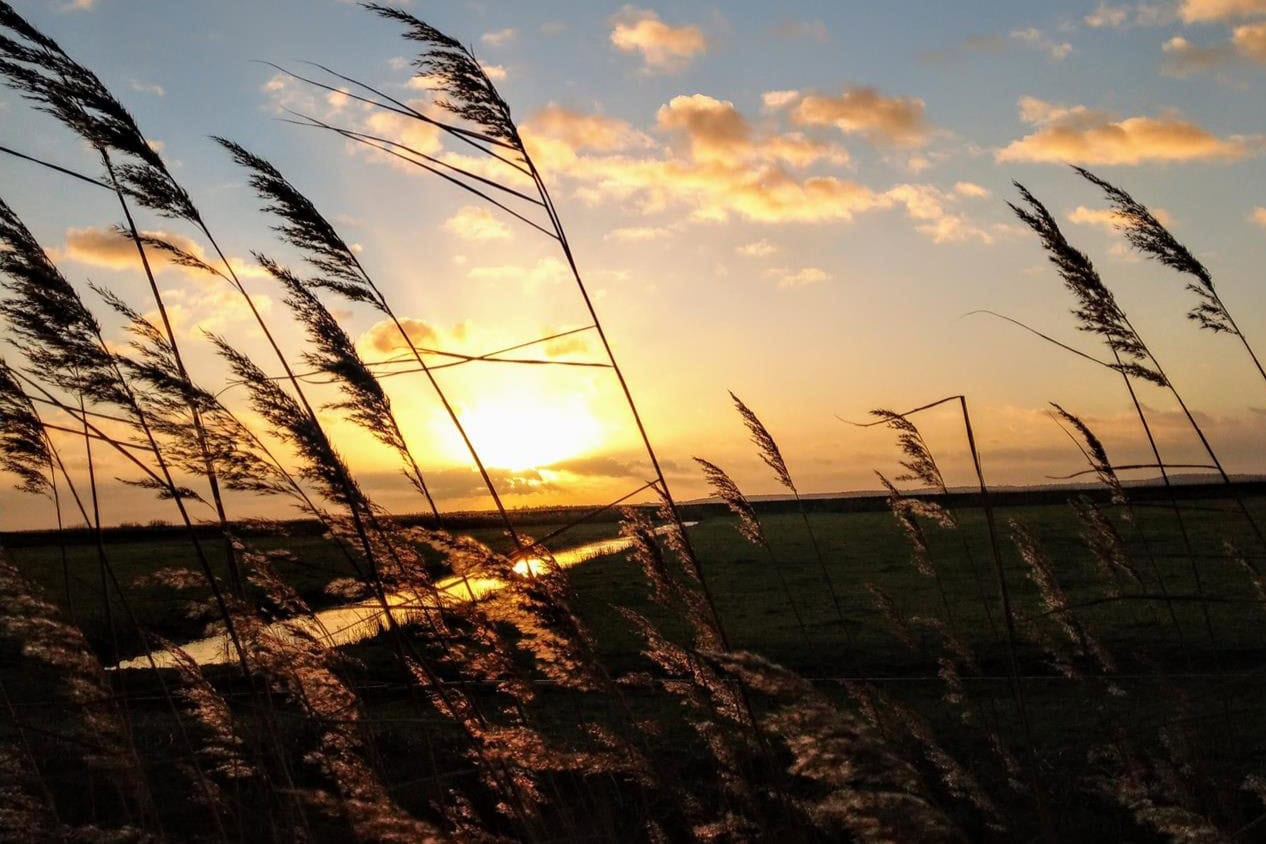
(798, 278)
(775, 100)
(476, 223)
(927, 206)
(720, 165)
(1107, 16)
(663, 48)
(717, 132)
(500, 37)
(638, 233)
(896, 121)
(556, 135)
(78, 6)
(495, 72)
(757, 249)
(601, 466)
(1109, 219)
(1182, 58)
(1056, 51)
(110, 249)
(212, 308)
(148, 88)
(383, 339)
(1250, 40)
(545, 271)
(564, 346)
(970, 189)
(1259, 216)
(814, 30)
(1079, 134)
(1204, 11)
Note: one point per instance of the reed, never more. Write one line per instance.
(516, 713)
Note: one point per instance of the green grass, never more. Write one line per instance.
(1168, 682)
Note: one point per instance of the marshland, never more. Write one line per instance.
(491, 423)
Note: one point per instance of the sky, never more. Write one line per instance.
(799, 202)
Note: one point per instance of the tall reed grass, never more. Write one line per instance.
(1010, 705)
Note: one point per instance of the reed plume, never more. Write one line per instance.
(1150, 237)
(1097, 310)
(335, 355)
(769, 452)
(1041, 572)
(869, 792)
(723, 487)
(24, 449)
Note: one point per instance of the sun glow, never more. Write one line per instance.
(528, 431)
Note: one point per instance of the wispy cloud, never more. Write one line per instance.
(1203, 11)
(757, 249)
(1107, 218)
(477, 223)
(1129, 15)
(109, 249)
(1088, 136)
(148, 88)
(663, 48)
(1035, 38)
(799, 277)
(499, 37)
(896, 121)
(1183, 58)
(638, 233)
(546, 271)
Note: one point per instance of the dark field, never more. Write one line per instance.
(1171, 685)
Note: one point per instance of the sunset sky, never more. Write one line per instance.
(799, 202)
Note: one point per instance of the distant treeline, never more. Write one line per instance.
(691, 511)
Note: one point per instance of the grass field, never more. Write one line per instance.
(1160, 674)
(860, 548)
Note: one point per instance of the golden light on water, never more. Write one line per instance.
(530, 566)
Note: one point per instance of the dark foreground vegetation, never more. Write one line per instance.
(1103, 667)
(951, 669)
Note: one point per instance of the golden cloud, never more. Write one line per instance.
(1196, 11)
(545, 271)
(472, 222)
(897, 121)
(1250, 40)
(927, 206)
(113, 250)
(555, 135)
(1079, 134)
(970, 189)
(662, 47)
(638, 233)
(1182, 58)
(798, 278)
(383, 339)
(500, 37)
(1109, 219)
(757, 249)
(1139, 14)
(717, 132)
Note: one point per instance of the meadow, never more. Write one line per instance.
(934, 665)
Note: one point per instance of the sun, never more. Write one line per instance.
(526, 431)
